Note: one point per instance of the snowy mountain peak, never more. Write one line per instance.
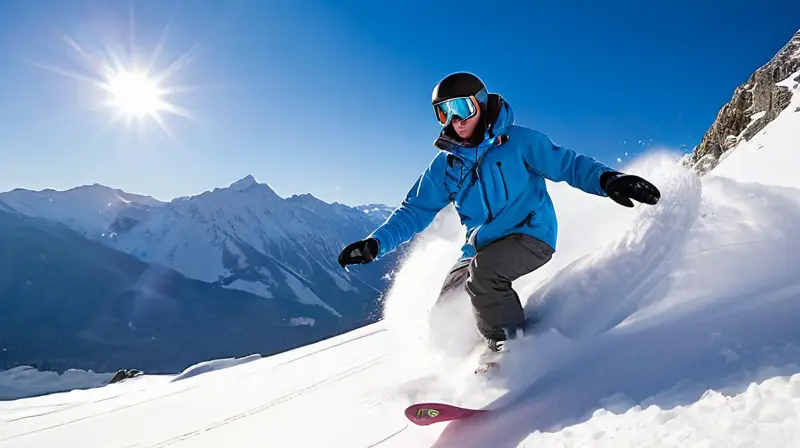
(243, 183)
(89, 209)
(754, 105)
(309, 201)
(305, 197)
(796, 43)
(247, 184)
(377, 212)
(96, 192)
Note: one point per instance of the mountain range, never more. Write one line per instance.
(93, 269)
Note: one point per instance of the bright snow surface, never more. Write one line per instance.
(673, 325)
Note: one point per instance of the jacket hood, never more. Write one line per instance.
(498, 117)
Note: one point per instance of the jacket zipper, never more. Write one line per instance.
(483, 191)
(484, 197)
(505, 188)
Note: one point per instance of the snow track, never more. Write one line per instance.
(284, 387)
(262, 407)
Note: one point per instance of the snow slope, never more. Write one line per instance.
(673, 325)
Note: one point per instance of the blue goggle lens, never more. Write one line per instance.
(446, 110)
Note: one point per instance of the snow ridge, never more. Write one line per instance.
(754, 105)
(88, 209)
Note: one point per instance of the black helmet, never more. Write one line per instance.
(457, 85)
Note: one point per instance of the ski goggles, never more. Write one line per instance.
(464, 107)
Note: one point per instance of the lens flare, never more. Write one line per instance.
(127, 89)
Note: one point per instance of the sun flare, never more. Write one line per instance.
(134, 94)
(130, 86)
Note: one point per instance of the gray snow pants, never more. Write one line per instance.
(487, 279)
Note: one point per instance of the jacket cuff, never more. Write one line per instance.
(382, 247)
(605, 177)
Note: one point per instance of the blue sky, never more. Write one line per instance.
(333, 98)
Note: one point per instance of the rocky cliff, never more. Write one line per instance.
(754, 105)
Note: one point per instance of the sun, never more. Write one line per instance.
(134, 94)
(130, 86)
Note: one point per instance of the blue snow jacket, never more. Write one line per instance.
(497, 186)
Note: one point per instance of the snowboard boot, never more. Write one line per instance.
(496, 348)
(490, 358)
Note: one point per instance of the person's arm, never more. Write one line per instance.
(423, 201)
(560, 164)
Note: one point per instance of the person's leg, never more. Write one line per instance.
(449, 312)
(456, 278)
(496, 305)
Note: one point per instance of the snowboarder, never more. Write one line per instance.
(494, 172)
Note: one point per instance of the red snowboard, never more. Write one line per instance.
(424, 414)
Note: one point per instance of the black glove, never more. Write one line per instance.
(360, 252)
(624, 187)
